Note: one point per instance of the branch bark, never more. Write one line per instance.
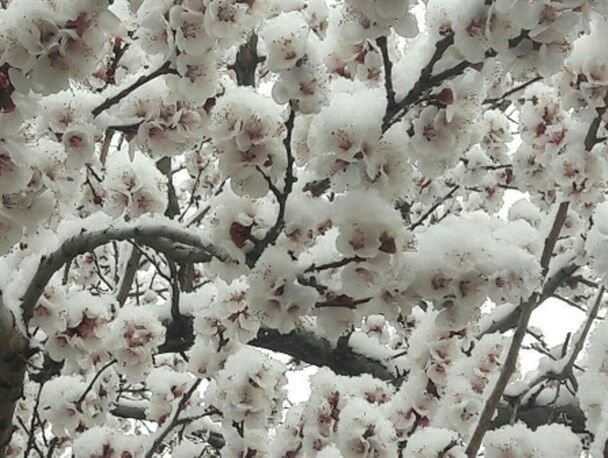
(554, 282)
(274, 232)
(302, 345)
(161, 238)
(551, 240)
(312, 349)
(526, 309)
(382, 43)
(164, 69)
(12, 370)
(246, 62)
(591, 138)
(128, 276)
(424, 83)
(174, 421)
(485, 419)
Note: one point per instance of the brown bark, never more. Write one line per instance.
(13, 348)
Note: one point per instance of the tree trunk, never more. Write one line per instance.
(12, 371)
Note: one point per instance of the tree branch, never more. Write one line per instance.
(175, 420)
(246, 62)
(580, 342)
(567, 371)
(433, 208)
(216, 440)
(334, 264)
(551, 240)
(526, 309)
(300, 344)
(537, 415)
(554, 282)
(164, 69)
(128, 276)
(508, 368)
(12, 370)
(423, 84)
(161, 238)
(92, 383)
(308, 347)
(591, 138)
(164, 167)
(290, 179)
(388, 71)
(427, 80)
(497, 101)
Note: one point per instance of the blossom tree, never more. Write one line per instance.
(199, 198)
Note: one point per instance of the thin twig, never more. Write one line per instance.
(192, 194)
(164, 69)
(275, 230)
(495, 102)
(31, 438)
(333, 265)
(175, 420)
(433, 208)
(423, 84)
(580, 342)
(90, 386)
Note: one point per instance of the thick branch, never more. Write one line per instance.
(12, 370)
(537, 415)
(161, 238)
(302, 345)
(312, 349)
(246, 62)
(164, 166)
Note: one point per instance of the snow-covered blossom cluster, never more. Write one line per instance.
(247, 129)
